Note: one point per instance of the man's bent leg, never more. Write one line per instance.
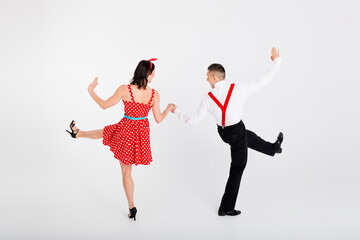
(258, 144)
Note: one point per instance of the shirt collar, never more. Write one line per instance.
(220, 83)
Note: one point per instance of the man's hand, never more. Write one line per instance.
(274, 53)
(173, 108)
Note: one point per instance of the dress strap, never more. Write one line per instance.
(131, 93)
(152, 96)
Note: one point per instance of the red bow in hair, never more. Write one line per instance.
(151, 60)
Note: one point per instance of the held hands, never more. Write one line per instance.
(274, 53)
(173, 108)
(93, 84)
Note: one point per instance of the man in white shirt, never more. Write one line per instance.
(225, 102)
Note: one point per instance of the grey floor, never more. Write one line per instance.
(82, 198)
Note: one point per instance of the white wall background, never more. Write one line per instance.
(55, 187)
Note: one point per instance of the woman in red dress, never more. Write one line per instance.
(129, 139)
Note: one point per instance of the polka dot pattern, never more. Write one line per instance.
(129, 140)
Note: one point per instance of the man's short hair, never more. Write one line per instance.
(218, 69)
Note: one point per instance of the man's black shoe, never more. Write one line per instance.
(229, 213)
(277, 144)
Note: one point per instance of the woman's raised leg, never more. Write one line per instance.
(93, 134)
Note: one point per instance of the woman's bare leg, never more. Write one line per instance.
(128, 183)
(94, 134)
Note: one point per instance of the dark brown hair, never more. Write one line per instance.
(216, 67)
(142, 71)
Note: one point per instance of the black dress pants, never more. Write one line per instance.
(258, 144)
(239, 140)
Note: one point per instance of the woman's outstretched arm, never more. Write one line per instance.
(111, 101)
(158, 115)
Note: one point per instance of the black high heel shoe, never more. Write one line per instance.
(133, 212)
(73, 133)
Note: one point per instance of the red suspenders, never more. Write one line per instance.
(223, 107)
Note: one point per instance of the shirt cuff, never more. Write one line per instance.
(177, 111)
(277, 60)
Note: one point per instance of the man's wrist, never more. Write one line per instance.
(278, 59)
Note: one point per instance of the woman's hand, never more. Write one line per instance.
(93, 84)
(169, 107)
(274, 53)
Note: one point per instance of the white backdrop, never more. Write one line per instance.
(55, 187)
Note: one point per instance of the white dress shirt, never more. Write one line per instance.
(234, 110)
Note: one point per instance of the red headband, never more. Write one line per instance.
(150, 60)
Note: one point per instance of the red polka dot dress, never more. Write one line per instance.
(129, 139)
